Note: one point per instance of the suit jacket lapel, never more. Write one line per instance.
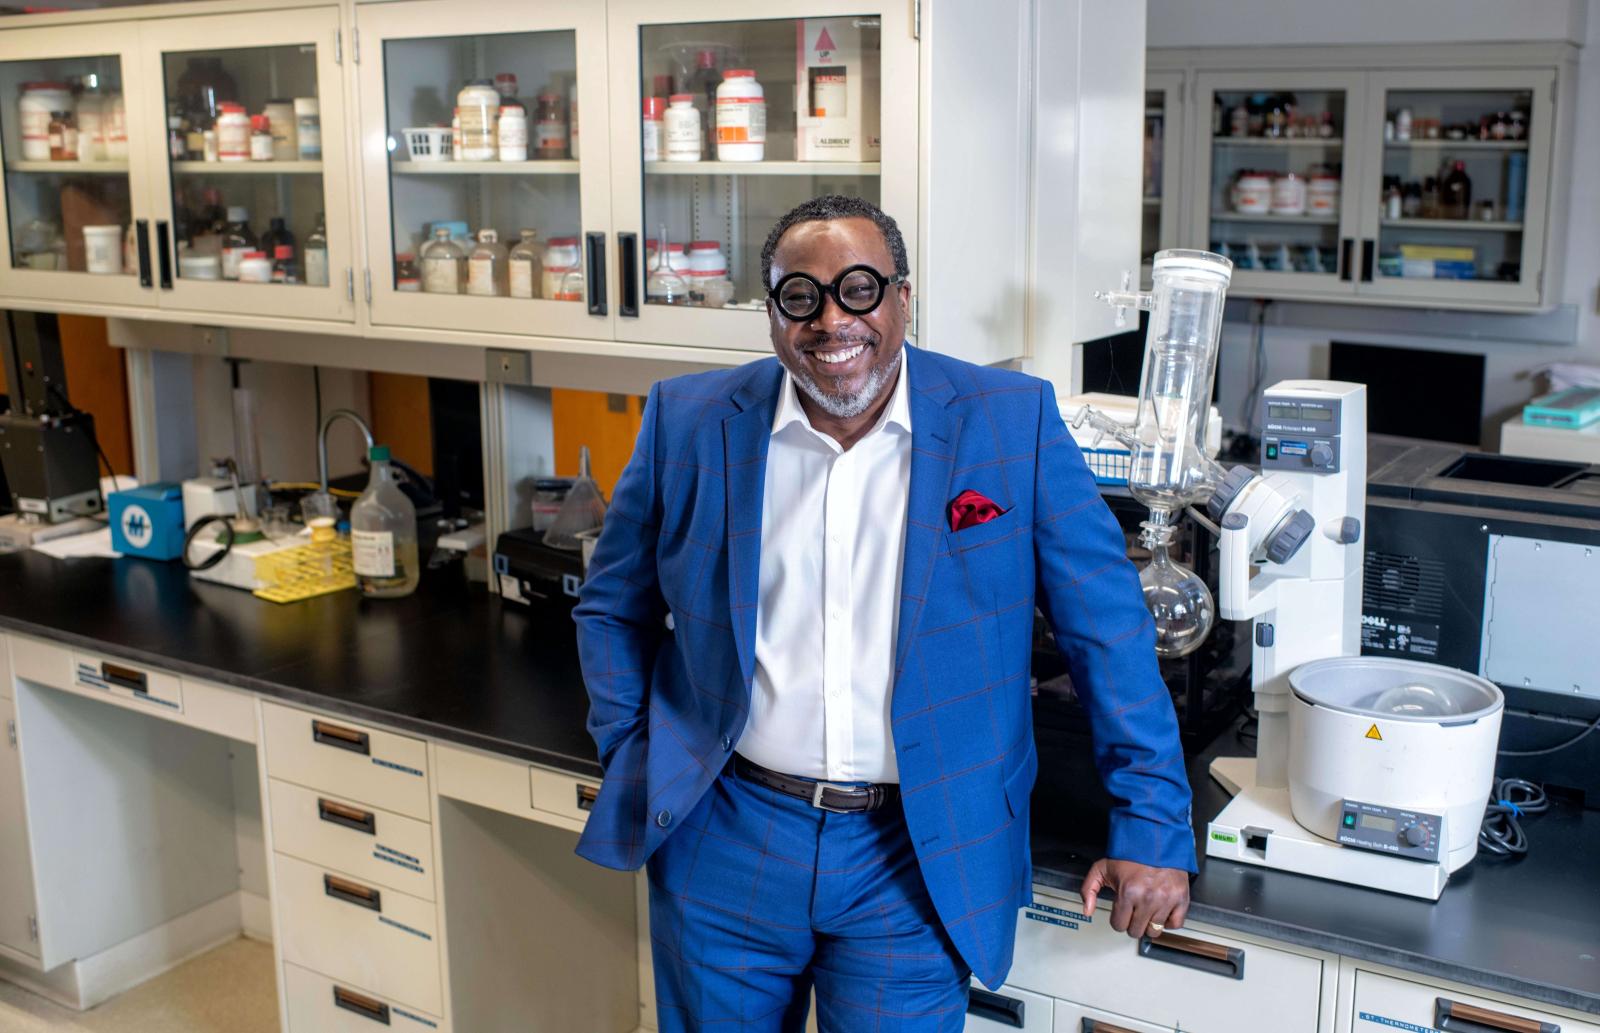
(934, 434)
(745, 436)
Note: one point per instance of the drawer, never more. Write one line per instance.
(1075, 1018)
(41, 662)
(561, 794)
(1384, 1003)
(356, 762)
(128, 682)
(318, 1004)
(1007, 1008)
(375, 846)
(1196, 981)
(381, 940)
(217, 708)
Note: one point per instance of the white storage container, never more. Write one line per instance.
(741, 117)
(680, 123)
(102, 247)
(39, 101)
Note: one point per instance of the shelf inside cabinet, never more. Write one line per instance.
(1278, 141)
(490, 168)
(761, 168)
(1152, 202)
(1483, 225)
(248, 168)
(1303, 220)
(1456, 145)
(96, 167)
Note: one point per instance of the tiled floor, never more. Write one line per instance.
(228, 990)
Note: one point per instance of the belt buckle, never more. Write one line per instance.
(816, 796)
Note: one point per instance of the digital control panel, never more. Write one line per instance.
(1300, 434)
(1414, 835)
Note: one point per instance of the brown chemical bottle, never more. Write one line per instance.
(1455, 193)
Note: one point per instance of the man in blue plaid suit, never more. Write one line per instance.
(806, 635)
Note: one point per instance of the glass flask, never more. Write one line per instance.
(526, 266)
(573, 285)
(1177, 598)
(383, 534)
(486, 267)
(443, 264)
(664, 285)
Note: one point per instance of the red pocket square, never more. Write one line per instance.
(972, 508)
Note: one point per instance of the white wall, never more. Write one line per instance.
(1302, 351)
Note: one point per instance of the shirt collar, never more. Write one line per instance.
(898, 411)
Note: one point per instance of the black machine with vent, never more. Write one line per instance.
(1488, 563)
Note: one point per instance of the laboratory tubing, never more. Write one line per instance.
(512, 131)
(40, 101)
(102, 246)
(308, 128)
(654, 109)
(233, 133)
(741, 117)
(383, 533)
(260, 138)
(281, 125)
(479, 106)
(681, 125)
(255, 267)
(486, 266)
(560, 258)
(526, 267)
(550, 132)
(442, 262)
(317, 254)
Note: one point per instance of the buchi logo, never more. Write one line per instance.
(136, 526)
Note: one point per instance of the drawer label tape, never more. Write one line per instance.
(1384, 1020)
(396, 767)
(386, 920)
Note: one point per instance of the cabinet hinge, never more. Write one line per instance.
(916, 19)
(355, 45)
(366, 278)
(350, 282)
(338, 46)
(11, 733)
(33, 928)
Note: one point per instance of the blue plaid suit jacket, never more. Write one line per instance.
(683, 536)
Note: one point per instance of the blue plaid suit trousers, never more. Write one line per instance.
(683, 538)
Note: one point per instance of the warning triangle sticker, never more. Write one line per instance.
(1373, 733)
(825, 41)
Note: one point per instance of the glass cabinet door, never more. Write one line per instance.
(487, 193)
(71, 140)
(1459, 190)
(725, 125)
(1163, 151)
(247, 128)
(1280, 197)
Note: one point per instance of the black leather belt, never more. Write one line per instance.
(826, 796)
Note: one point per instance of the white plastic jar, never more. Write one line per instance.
(199, 267)
(741, 117)
(39, 101)
(704, 256)
(233, 133)
(512, 132)
(560, 258)
(1252, 194)
(681, 125)
(1289, 194)
(479, 106)
(255, 267)
(308, 128)
(651, 131)
(1322, 196)
(102, 249)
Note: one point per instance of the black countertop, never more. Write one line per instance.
(452, 663)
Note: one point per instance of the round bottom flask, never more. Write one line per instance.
(1179, 600)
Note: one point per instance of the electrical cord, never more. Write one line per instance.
(194, 532)
(1512, 800)
(94, 439)
(1556, 748)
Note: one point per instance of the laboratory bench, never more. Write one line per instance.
(337, 705)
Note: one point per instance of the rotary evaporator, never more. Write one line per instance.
(1368, 770)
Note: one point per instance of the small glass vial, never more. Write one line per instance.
(573, 286)
(383, 534)
(486, 267)
(317, 254)
(407, 278)
(550, 133)
(443, 264)
(526, 267)
(260, 138)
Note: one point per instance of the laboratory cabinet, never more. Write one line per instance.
(138, 200)
(1161, 198)
(1394, 175)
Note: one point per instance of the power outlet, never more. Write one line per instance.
(508, 367)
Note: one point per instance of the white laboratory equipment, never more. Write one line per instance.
(1170, 468)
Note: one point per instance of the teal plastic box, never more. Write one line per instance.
(148, 521)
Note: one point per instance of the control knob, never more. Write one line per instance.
(1414, 835)
(1321, 455)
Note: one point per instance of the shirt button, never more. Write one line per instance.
(664, 818)
(727, 743)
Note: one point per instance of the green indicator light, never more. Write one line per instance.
(1350, 820)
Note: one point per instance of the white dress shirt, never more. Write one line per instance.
(833, 531)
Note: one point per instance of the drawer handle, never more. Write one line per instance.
(352, 893)
(126, 677)
(349, 817)
(344, 738)
(1451, 1015)
(1001, 1010)
(1091, 1026)
(1196, 954)
(587, 796)
(365, 1007)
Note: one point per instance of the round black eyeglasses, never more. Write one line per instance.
(858, 290)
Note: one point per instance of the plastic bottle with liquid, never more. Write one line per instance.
(317, 254)
(526, 266)
(383, 534)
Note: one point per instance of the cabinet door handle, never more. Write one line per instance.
(996, 1008)
(1368, 250)
(126, 677)
(1091, 1026)
(1346, 249)
(141, 234)
(628, 257)
(349, 817)
(587, 796)
(1196, 954)
(164, 250)
(352, 893)
(342, 738)
(1465, 1018)
(595, 244)
(361, 1004)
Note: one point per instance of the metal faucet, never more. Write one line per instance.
(322, 439)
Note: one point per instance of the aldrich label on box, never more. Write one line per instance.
(837, 94)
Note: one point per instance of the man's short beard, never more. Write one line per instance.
(849, 406)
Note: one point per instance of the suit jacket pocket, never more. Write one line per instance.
(977, 535)
(1019, 784)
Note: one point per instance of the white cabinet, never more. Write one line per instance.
(18, 928)
(1382, 1001)
(1008, 1008)
(1161, 200)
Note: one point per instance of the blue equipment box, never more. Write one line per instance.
(148, 521)
(1573, 408)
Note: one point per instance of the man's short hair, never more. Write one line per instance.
(826, 209)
